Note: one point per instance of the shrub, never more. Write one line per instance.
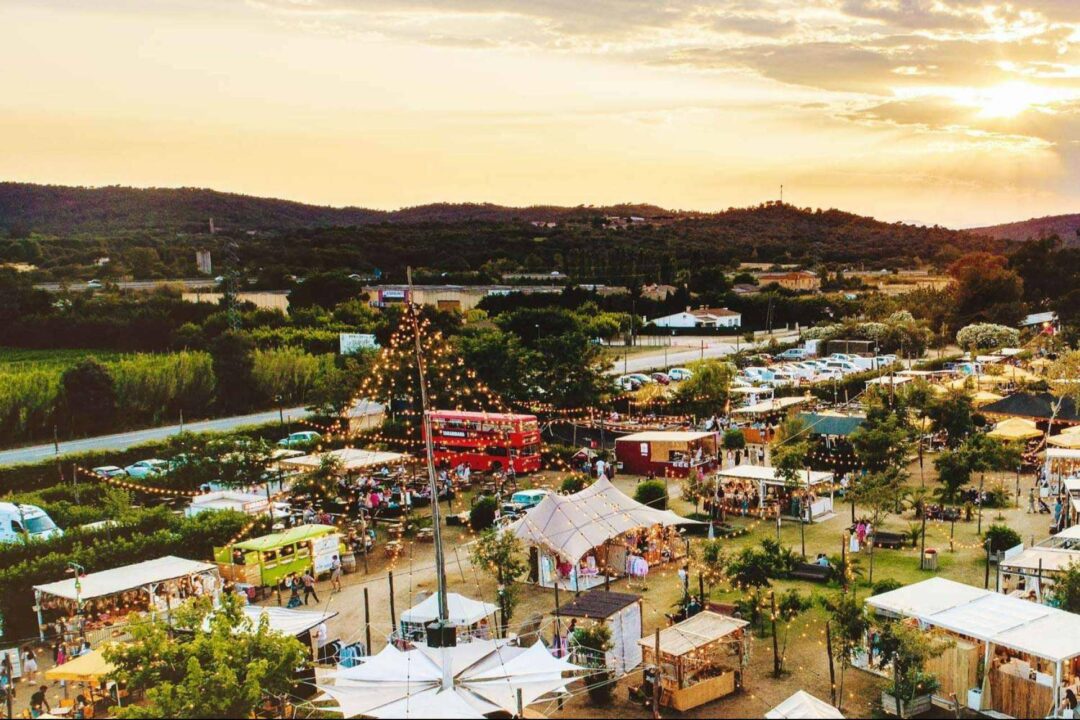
(987, 336)
(734, 439)
(573, 483)
(482, 515)
(652, 493)
(884, 586)
(591, 643)
(1002, 537)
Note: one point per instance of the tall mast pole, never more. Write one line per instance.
(429, 451)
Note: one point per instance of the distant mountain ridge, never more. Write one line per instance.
(1066, 227)
(59, 208)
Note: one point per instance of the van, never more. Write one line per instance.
(17, 522)
(792, 354)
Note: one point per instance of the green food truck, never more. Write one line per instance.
(263, 561)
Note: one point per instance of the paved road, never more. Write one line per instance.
(122, 441)
(192, 284)
(676, 356)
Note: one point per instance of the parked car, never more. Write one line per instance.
(661, 378)
(303, 438)
(109, 471)
(626, 383)
(791, 354)
(642, 378)
(679, 374)
(18, 521)
(94, 284)
(147, 468)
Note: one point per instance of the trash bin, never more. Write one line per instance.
(929, 559)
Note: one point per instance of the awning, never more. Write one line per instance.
(129, 577)
(767, 475)
(695, 632)
(88, 668)
(1017, 624)
(285, 621)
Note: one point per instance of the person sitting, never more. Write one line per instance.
(822, 560)
(1068, 704)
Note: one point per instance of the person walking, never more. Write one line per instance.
(309, 586)
(1031, 501)
(30, 666)
(293, 583)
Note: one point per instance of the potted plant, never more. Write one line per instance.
(907, 649)
(590, 644)
(1001, 539)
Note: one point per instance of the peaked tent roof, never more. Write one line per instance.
(803, 705)
(569, 526)
(463, 611)
(1015, 428)
(1033, 405)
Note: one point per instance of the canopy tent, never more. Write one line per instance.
(766, 476)
(569, 526)
(87, 668)
(248, 503)
(292, 623)
(1015, 429)
(984, 397)
(803, 705)
(696, 659)
(1069, 440)
(352, 460)
(985, 615)
(772, 406)
(463, 611)
(466, 681)
(129, 577)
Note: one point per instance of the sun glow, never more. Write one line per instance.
(1007, 99)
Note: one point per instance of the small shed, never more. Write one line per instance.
(701, 659)
(619, 611)
(803, 706)
(667, 453)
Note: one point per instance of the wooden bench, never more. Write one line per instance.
(812, 572)
(890, 540)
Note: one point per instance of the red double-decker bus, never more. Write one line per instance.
(486, 441)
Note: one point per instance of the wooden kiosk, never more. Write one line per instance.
(702, 659)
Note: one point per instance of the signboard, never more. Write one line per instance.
(323, 551)
(350, 343)
(393, 294)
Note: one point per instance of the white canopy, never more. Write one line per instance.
(767, 475)
(250, 503)
(774, 405)
(352, 459)
(1017, 624)
(129, 577)
(803, 705)
(570, 526)
(288, 622)
(463, 611)
(485, 677)
(1048, 559)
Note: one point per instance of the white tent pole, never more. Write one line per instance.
(1057, 689)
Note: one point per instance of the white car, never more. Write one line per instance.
(109, 471)
(679, 374)
(94, 284)
(147, 468)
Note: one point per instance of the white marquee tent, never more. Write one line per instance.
(803, 705)
(129, 577)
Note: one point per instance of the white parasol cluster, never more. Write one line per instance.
(467, 681)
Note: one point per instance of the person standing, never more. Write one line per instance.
(309, 586)
(335, 575)
(1031, 501)
(30, 666)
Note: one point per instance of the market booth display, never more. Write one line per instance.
(621, 612)
(263, 561)
(1030, 651)
(814, 487)
(701, 659)
(472, 618)
(667, 453)
(97, 605)
(803, 706)
(580, 540)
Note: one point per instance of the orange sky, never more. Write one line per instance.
(956, 112)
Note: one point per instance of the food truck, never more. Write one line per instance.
(263, 561)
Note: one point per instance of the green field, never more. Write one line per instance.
(23, 358)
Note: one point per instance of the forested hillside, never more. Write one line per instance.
(1066, 227)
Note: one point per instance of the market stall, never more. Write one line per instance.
(247, 503)
(1015, 430)
(1029, 651)
(472, 618)
(579, 540)
(621, 612)
(99, 603)
(701, 659)
(353, 460)
(263, 561)
(811, 488)
(667, 453)
(1031, 573)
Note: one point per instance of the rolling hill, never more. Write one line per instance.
(1066, 227)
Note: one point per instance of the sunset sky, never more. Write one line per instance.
(958, 112)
